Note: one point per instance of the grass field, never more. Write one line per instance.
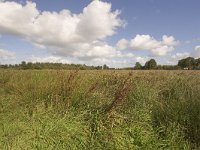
(93, 110)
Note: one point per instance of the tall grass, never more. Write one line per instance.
(99, 109)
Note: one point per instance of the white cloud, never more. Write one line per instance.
(144, 42)
(17, 19)
(141, 60)
(162, 50)
(97, 21)
(122, 44)
(5, 54)
(158, 48)
(95, 49)
(80, 37)
(51, 59)
(169, 40)
(196, 53)
(118, 63)
(173, 59)
(179, 56)
(75, 35)
(147, 42)
(197, 48)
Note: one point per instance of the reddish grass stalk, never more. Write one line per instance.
(121, 93)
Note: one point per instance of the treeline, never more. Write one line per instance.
(29, 65)
(188, 63)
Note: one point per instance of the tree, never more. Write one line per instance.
(197, 63)
(23, 65)
(29, 65)
(151, 64)
(138, 66)
(105, 66)
(188, 62)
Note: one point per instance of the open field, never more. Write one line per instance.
(51, 109)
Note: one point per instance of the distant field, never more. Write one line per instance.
(106, 110)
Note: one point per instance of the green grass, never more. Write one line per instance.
(108, 110)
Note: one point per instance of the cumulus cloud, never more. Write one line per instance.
(78, 36)
(147, 42)
(97, 21)
(95, 49)
(5, 54)
(63, 32)
(169, 40)
(144, 42)
(162, 50)
(179, 56)
(122, 44)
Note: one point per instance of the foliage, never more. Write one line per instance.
(138, 66)
(38, 66)
(188, 62)
(151, 64)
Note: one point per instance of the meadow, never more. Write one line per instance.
(94, 110)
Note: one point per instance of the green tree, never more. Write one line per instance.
(105, 66)
(188, 62)
(23, 65)
(151, 64)
(138, 66)
(197, 63)
(29, 65)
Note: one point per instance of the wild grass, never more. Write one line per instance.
(52, 109)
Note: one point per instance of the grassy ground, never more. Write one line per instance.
(99, 110)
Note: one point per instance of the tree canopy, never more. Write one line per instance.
(188, 62)
(138, 66)
(151, 64)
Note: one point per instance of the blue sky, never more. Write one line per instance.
(115, 32)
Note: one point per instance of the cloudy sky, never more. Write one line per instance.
(113, 32)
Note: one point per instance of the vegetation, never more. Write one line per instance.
(57, 109)
(38, 66)
(188, 63)
(151, 64)
(138, 66)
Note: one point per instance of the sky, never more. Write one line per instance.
(96, 32)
